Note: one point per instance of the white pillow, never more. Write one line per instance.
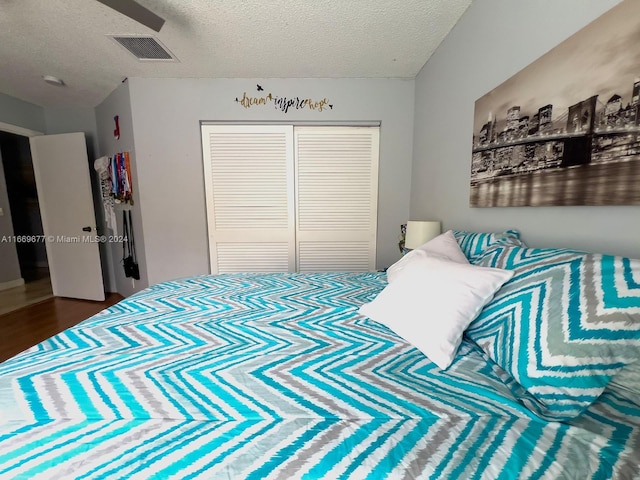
(444, 245)
(432, 302)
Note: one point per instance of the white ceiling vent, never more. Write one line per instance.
(146, 48)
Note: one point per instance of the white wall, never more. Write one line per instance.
(166, 120)
(494, 40)
(118, 103)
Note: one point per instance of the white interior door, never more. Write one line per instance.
(61, 170)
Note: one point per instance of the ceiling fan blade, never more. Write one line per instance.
(136, 12)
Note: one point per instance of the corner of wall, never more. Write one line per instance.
(110, 142)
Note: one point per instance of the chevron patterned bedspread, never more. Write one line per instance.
(278, 376)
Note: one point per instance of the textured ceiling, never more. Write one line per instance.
(215, 39)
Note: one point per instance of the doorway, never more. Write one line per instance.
(22, 195)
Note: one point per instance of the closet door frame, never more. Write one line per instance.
(218, 237)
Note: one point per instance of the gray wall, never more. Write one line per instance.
(166, 120)
(21, 114)
(494, 40)
(9, 265)
(70, 120)
(118, 103)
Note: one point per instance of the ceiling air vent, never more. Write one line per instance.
(146, 48)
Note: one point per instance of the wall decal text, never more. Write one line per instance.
(283, 103)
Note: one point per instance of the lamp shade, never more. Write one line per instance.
(419, 232)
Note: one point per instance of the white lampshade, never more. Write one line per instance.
(420, 232)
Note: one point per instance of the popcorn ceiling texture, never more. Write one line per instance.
(215, 39)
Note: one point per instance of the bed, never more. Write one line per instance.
(280, 376)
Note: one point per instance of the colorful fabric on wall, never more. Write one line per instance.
(120, 173)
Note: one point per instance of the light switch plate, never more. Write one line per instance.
(1, 212)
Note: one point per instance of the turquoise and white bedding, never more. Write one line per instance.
(278, 376)
(564, 326)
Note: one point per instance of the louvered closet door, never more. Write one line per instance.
(336, 198)
(249, 189)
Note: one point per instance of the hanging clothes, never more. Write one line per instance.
(128, 187)
(101, 166)
(121, 184)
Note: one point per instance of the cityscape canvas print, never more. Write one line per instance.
(565, 130)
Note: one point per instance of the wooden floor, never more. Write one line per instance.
(32, 292)
(28, 326)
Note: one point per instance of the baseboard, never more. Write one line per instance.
(12, 284)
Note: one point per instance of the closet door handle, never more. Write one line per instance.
(86, 229)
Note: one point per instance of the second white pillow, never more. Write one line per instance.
(432, 302)
(444, 245)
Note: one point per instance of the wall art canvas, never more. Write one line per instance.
(565, 130)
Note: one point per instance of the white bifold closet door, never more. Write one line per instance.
(249, 190)
(336, 198)
(283, 198)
